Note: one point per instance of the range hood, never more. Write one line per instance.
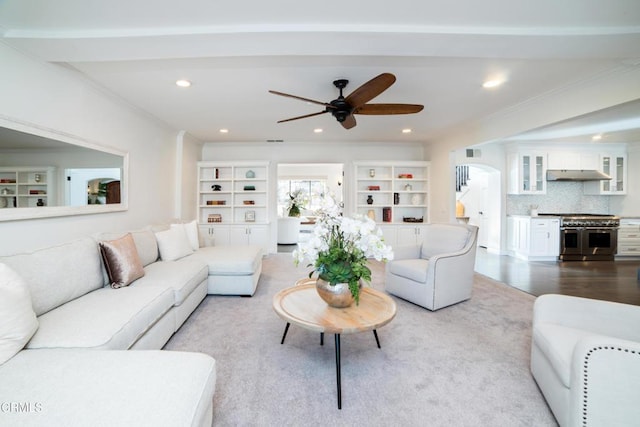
(576, 175)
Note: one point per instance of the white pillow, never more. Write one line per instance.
(173, 244)
(191, 228)
(18, 322)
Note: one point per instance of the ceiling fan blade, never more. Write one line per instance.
(313, 101)
(381, 109)
(370, 90)
(303, 117)
(349, 122)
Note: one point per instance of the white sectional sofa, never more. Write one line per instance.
(74, 369)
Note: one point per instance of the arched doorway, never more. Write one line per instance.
(480, 192)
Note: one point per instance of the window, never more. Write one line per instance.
(314, 190)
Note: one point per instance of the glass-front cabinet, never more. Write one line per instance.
(614, 165)
(527, 173)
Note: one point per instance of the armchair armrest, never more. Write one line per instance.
(605, 373)
(600, 317)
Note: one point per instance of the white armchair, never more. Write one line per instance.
(439, 271)
(585, 357)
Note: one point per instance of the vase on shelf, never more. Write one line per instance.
(370, 199)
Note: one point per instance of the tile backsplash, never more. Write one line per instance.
(561, 197)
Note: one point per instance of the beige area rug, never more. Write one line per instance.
(465, 365)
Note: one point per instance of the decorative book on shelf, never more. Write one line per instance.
(216, 202)
(214, 218)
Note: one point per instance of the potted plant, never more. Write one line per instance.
(296, 202)
(338, 251)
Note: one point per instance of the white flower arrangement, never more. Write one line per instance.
(340, 247)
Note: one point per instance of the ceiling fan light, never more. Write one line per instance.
(317, 130)
(224, 130)
(407, 130)
(183, 83)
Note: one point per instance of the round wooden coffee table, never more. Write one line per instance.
(302, 306)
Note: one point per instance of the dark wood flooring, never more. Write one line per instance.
(605, 280)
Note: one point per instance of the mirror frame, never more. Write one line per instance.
(58, 211)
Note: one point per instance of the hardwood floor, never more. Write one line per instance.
(605, 280)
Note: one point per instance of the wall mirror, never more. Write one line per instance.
(44, 173)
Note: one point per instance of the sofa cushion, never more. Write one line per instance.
(173, 244)
(191, 230)
(59, 274)
(145, 241)
(108, 388)
(18, 322)
(103, 319)
(414, 269)
(557, 343)
(181, 276)
(121, 261)
(443, 239)
(230, 260)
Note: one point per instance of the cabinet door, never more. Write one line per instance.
(250, 235)
(259, 235)
(614, 165)
(539, 237)
(533, 168)
(212, 235)
(527, 173)
(408, 236)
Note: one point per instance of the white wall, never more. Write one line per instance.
(188, 154)
(56, 98)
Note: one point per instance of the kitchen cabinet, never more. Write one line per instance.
(533, 238)
(629, 237)
(573, 160)
(527, 172)
(614, 165)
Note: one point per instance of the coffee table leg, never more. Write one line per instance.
(375, 334)
(286, 328)
(321, 338)
(338, 370)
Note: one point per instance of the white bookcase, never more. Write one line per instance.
(399, 196)
(233, 200)
(25, 187)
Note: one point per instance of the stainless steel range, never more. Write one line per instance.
(588, 237)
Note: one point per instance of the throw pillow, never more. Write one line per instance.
(191, 229)
(18, 322)
(121, 261)
(173, 244)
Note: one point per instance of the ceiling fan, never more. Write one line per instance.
(343, 109)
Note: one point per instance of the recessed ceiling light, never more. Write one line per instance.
(183, 83)
(406, 130)
(597, 137)
(224, 130)
(317, 130)
(490, 84)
